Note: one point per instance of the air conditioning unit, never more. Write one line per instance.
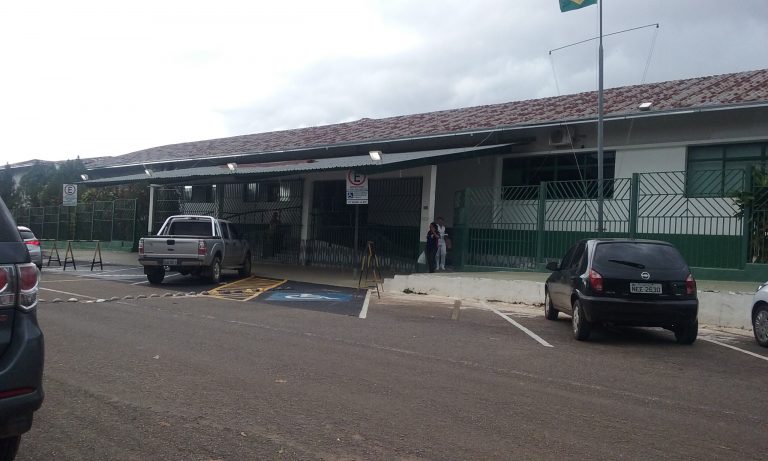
(559, 137)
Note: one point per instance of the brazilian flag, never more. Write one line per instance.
(569, 5)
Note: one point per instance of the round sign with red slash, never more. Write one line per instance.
(355, 179)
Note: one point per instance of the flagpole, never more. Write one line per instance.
(600, 126)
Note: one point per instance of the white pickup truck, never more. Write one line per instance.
(198, 245)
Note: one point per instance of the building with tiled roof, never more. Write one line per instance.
(516, 182)
(704, 93)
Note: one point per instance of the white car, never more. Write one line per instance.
(33, 245)
(759, 315)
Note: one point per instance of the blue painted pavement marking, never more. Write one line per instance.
(303, 296)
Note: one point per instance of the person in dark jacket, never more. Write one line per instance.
(433, 240)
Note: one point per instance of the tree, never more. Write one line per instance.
(42, 184)
(8, 188)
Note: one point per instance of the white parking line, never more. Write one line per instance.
(147, 281)
(68, 293)
(121, 270)
(364, 310)
(735, 348)
(525, 330)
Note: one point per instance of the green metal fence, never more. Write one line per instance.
(107, 221)
(523, 227)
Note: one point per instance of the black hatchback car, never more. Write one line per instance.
(623, 282)
(21, 341)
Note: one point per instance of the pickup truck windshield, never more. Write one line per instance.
(191, 228)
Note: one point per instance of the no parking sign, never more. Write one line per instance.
(70, 195)
(357, 188)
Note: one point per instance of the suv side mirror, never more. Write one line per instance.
(553, 266)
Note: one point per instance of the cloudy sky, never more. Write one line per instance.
(93, 78)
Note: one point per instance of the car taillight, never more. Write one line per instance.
(16, 392)
(4, 278)
(596, 281)
(33, 242)
(201, 247)
(7, 287)
(141, 246)
(690, 285)
(29, 276)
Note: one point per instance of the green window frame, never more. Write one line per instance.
(718, 170)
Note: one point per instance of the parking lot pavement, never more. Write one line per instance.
(131, 274)
(528, 321)
(118, 282)
(209, 378)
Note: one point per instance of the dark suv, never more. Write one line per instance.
(21, 341)
(624, 282)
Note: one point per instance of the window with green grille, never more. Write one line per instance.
(531, 171)
(718, 171)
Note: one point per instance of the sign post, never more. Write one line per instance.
(69, 197)
(357, 194)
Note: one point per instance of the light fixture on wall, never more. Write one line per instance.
(375, 155)
(232, 166)
(645, 106)
(84, 177)
(148, 172)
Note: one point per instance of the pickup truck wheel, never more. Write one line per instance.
(8, 447)
(216, 270)
(245, 271)
(156, 275)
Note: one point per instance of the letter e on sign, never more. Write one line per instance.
(69, 197)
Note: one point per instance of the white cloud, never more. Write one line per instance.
(104, 78)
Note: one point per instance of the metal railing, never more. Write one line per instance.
(523, 227)
(105, 221)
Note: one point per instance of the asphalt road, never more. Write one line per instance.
(198, 378)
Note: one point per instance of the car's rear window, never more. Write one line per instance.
(191, 228)
(639, 255)
(27, 235)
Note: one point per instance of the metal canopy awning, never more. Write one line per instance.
(244, 172)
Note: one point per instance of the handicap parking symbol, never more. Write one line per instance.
(300, 296)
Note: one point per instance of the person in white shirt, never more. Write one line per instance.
(442, 248)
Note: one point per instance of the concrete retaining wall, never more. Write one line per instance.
(723, 309)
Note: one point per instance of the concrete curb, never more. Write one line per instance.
(721, 309)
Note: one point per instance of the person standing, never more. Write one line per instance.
(433, 241)
(273, 234)
(442, 247)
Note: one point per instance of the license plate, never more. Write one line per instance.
(169, 262)
(652, 288)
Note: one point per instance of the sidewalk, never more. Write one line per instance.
(721, 304)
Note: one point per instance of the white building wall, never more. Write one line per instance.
(649, 160)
